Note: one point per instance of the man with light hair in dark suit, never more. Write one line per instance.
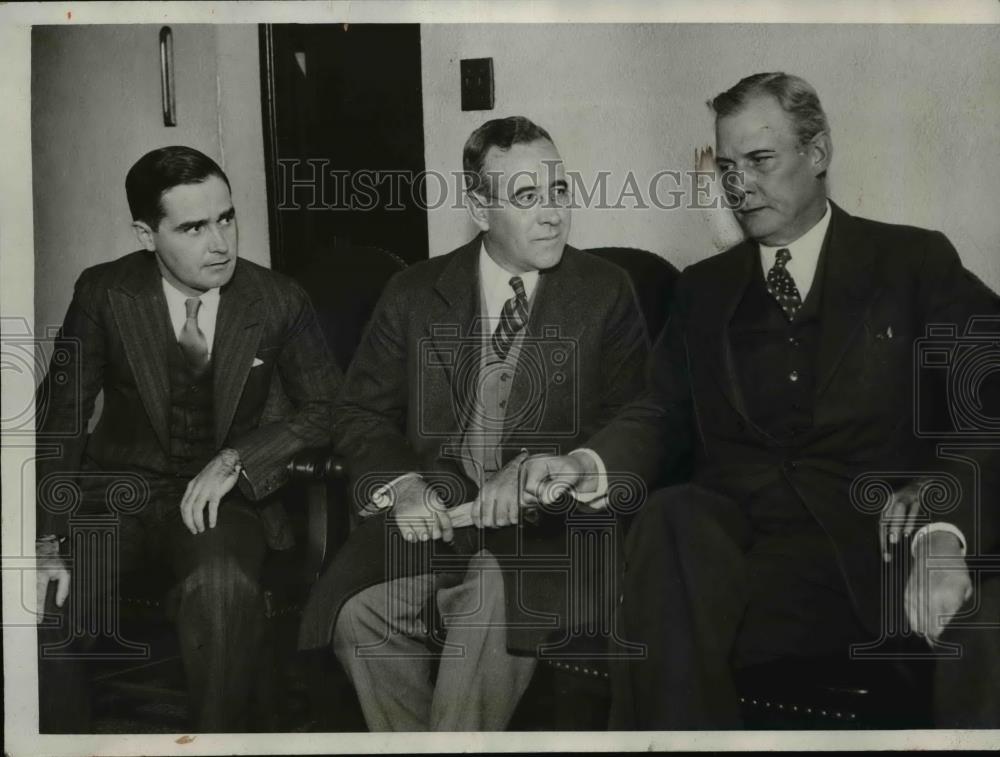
(786, 369)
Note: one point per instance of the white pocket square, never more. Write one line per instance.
(257, 361)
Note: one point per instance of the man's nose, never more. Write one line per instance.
(736, 185)
(217, 240)
(550, 213)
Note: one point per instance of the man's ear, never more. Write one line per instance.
(144, 234)
(476, 206)
(820, 153)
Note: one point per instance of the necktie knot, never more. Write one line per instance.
(513, 318)
(192, 339)
(518, 286)
(783, 257)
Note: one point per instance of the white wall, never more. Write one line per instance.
(95, 109)
(914, 112)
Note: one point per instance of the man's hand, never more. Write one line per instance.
(899, 516)
(208, 488)
(939, 584)
(418, 511)
(547, 478)
(49, 567)
(499, 500)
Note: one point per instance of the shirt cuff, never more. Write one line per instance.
(937, 526)
(598, 498)
(382, 498)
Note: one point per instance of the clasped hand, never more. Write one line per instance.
(418, 511)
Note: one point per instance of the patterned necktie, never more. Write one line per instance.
(513, 318)
(781, 285)
(192, 339)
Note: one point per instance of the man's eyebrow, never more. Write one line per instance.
(185, 225)
(560, 183)
(522, 190)
(223, 216)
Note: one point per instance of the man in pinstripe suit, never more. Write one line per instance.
(187, 343)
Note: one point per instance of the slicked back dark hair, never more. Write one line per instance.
(795, 95)
(161, 170)
(501, 133)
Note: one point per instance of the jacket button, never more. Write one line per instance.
(621, 599)
(793, 376)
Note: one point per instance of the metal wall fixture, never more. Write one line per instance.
(167, 94)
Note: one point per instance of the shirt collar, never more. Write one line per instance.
(176, 296)
(495, 282)
(804, 251)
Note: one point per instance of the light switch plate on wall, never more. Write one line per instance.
(477, 83)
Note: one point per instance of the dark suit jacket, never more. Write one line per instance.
(116, 334)
(405, 398)
(883, 284)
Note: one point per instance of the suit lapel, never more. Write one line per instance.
(848, 289)
(140, 312)
(715, 315)
(237, 336)
(455, 343)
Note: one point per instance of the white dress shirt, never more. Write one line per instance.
(208, 313)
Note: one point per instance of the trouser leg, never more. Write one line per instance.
(683, 595)
(380, 640)
(967, 689)
(479, 683)
(220, 613)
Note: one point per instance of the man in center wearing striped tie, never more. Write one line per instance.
(514, 343)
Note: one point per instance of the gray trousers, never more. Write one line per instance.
(381, 640)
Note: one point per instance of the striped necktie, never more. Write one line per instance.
(192, 339)
(513, 318)
(781, 285)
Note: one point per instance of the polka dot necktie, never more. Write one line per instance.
(781, 285)
(513, 318)
(192, 339)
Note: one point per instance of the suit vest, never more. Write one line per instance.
(775, 363)
(192, 415)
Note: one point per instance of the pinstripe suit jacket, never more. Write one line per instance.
(115, 339)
